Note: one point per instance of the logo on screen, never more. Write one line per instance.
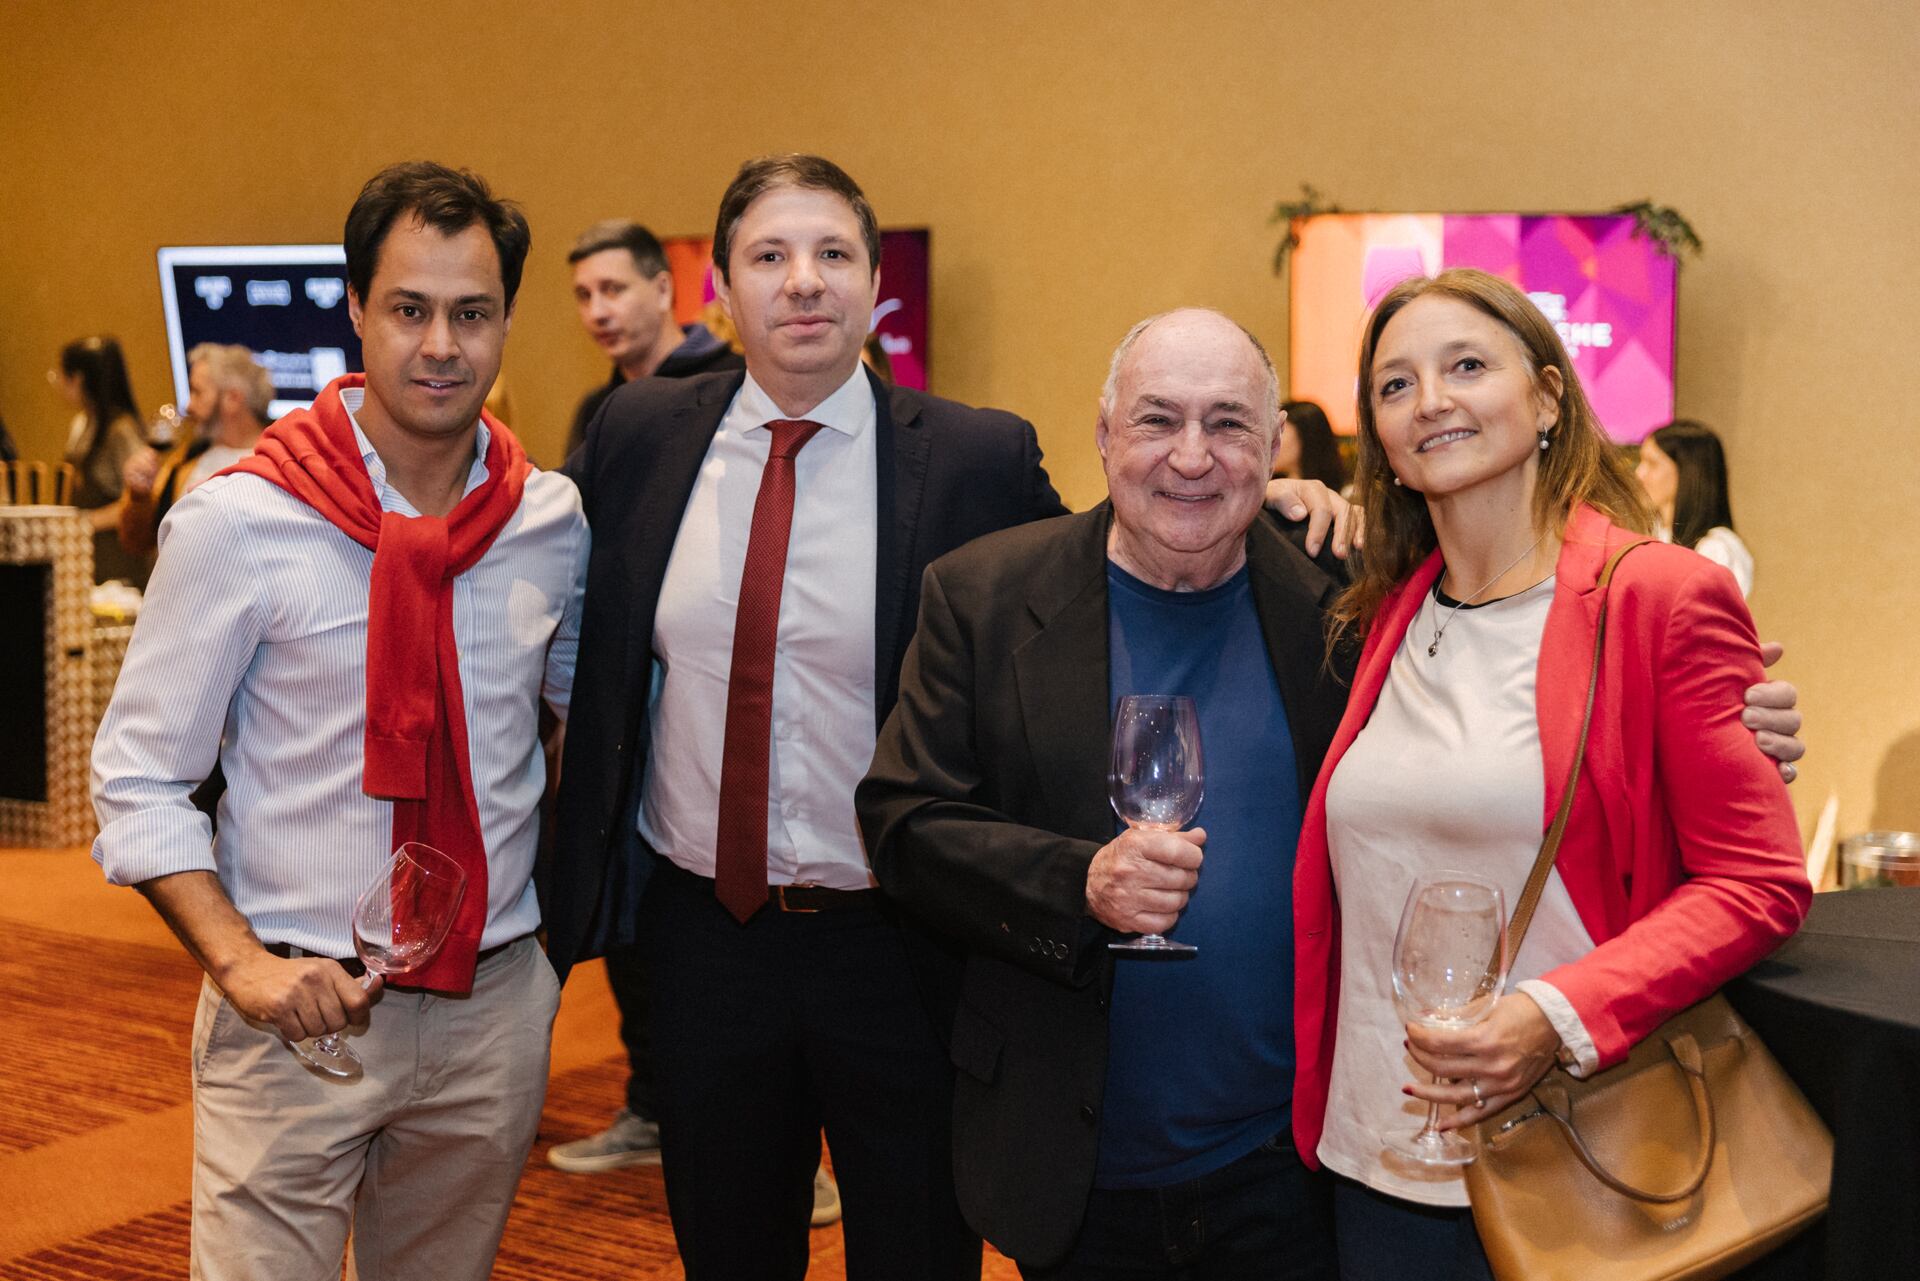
(214, 289)
(326, 291)
(269, 293)
(328, 364)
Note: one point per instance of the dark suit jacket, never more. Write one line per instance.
(986, 802)
(946, 474)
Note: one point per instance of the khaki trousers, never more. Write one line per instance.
(417, 1159)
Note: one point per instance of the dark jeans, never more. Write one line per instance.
(1265, 1217)
(763, 1033)
(1383, 1238)
(627, 976)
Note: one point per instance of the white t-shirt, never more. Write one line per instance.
(1723, 547)
(215, 459)
(1446, 774)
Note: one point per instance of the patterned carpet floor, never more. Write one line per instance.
(96, 1009)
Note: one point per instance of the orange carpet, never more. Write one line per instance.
(96, 1008)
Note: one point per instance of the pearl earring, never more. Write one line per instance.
(1543, 440)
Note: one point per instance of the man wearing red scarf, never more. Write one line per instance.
(359, 621)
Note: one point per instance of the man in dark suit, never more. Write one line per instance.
(1123, 1117)
(758, 541)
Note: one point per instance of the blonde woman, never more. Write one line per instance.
(1493, 499)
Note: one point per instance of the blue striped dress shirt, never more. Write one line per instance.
(252, 646)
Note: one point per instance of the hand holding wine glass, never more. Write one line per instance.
(1155, 783)
(1449, 968)
(399, 923)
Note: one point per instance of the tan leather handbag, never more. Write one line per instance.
(1691, 1159)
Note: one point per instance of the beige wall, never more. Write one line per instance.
(1082, 165)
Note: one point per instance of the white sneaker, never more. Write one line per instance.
(630, 1140)
(826, 1199)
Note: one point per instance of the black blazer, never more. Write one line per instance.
(987, 800)
(946, 474)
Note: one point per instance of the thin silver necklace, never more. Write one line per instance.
(1441, 630)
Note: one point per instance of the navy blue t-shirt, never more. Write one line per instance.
(1200, 1050)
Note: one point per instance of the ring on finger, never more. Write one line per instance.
(1479, 1100)
(1791, 771)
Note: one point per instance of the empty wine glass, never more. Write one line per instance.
(1156, 779)
(1449, 968)
(399, 923)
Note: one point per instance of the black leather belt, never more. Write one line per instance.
(785, 898)
(357, 968)
(818, 898)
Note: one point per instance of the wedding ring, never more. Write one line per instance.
(1790, 771)
(1478, 1101)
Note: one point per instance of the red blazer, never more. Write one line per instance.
(1682, 854)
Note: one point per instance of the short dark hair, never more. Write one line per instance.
(649, 259)
(449, 201)
(1700, 500)
(757, 177)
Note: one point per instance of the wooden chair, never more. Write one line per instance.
(28, 483)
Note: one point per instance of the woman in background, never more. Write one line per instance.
(1493, 500)
(92, 376)
(1684, 471)
(1308, 450)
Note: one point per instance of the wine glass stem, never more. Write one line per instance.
(1433, 1112)
(331, 1041)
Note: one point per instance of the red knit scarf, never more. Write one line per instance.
(416, 744)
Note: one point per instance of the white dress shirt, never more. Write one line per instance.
(1446, 774)
(823, 726)
(252, 646)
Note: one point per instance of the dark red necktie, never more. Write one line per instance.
(740, 842)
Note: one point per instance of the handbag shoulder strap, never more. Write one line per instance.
(1550, 844)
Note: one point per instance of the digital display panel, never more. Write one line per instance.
(285, 303)
(1608, 291)
(900, 314)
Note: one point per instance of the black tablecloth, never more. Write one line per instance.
(1839, 1006)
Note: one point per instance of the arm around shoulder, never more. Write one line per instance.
(1732, 842)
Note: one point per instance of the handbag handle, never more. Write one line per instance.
(1556, 1103)
(1550, 845)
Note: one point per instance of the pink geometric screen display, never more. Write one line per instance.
(1608, 291)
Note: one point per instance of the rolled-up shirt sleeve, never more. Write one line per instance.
(199, 626)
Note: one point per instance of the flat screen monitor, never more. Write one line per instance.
(900, 314)
(1608, 290)
(285, 303)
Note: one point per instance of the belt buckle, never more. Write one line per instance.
(780, 897)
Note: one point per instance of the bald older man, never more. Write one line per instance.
(1128, 1118)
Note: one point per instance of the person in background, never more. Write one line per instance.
(92, 377)
(1684, 471)
(229, 398)
(1493, 499)
(624, 290)
(1307, 447)
(8, 450)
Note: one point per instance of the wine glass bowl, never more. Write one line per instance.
(399, 924)
(400, 930)
(1156, 779)
(1449, 969)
